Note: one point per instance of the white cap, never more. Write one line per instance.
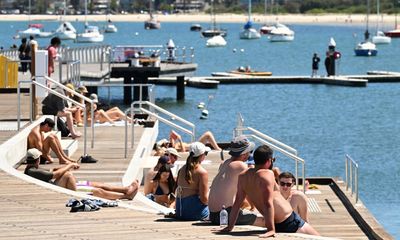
(33, 153)
(173, 152)
(94, 97)
(198, 148)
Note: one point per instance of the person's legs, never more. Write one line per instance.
(46, 150)
(78, 115)
(103, 117)
(70, 123)
(67, 181)
(308, 229)
(55, 145)
(208, 137)
(115, 192)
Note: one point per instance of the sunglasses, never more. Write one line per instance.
(205, 153)
(285, 184)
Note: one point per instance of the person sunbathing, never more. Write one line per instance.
(175, 141)
(37, 139)
(63, 177)
(102, 116)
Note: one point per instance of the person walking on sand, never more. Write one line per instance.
(315, 65)
(258, 184)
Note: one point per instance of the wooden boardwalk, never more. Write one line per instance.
(33, 212)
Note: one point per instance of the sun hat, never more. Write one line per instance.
(94, 97)
(198, 148)
(82, 89)
(70, 86)
(173, 151)
(240, 145)
(33, 153)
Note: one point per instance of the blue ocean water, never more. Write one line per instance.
(322, 122)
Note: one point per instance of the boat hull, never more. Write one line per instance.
(212, 33)
(111, 29)
(259, 74)
(250, 33)
(280, 38)
(195, 28)
(381, 40)
(366, 52)
(393, 33)
(152, 25)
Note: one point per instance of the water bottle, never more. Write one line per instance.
(223, 217)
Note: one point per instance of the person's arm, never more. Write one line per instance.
(203, 187)
(240, 196)
(58, 172)
(267, 182)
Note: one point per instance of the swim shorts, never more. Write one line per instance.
(191, 208)
(245, 217)
(290, 224)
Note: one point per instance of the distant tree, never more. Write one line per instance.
(114, 6)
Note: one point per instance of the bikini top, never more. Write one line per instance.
(159, 191)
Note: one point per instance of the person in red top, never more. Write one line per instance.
(52, 52)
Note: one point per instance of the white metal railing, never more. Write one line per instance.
(154, 111)
(73, 71)
(351, 175)
(86, 54)
(10, 53)
(274, 144)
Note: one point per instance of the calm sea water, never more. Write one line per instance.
(322, 122)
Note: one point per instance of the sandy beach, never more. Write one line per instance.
(335, 19)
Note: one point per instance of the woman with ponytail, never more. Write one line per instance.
(192, 190)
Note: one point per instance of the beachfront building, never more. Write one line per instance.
(189, 5)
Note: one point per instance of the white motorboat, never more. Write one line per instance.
(66, 31)
(248, 31)
(35, 31)
(91, 35)
(380, 38)
(110, 27)
(281, 33)
(216, 41)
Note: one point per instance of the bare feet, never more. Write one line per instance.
(132, 190)
(76, 135)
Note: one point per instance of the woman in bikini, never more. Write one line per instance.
(163, 186)
(192, 191)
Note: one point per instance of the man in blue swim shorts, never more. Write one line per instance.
(259, 186)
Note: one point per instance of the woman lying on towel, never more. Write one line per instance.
(110, 116)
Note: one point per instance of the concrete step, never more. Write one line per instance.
(69, 147)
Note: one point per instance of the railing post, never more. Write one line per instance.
(356, 183)
(351, 178)
(347, 172)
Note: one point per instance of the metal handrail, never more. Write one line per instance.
(296, 158)
(152, 112)
(350, 164)
(273, 143)
(84, 98)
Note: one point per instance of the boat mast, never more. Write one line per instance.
(377, 13)
(29, 12)
(249, 13)
(214, 21)
(86, 13)
(366, 34)
(265, 11)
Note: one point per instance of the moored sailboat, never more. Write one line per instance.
(366, 48)
(379, 37)
(248, 31)
(214, 30)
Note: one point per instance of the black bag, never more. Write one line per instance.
(62, 127)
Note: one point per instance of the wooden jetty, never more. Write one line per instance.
(32, 211)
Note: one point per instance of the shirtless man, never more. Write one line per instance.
(296, 198)
(37, 140)
(224, 186)
(259, 185)
(63, 177)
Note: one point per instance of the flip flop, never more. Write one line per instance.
(72, 202)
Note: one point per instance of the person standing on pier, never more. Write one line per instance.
(315, 65)
(55, 42)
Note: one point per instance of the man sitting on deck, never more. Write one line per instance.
(36, 139)
(64, 178)
(259, 185)
(224, 186)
